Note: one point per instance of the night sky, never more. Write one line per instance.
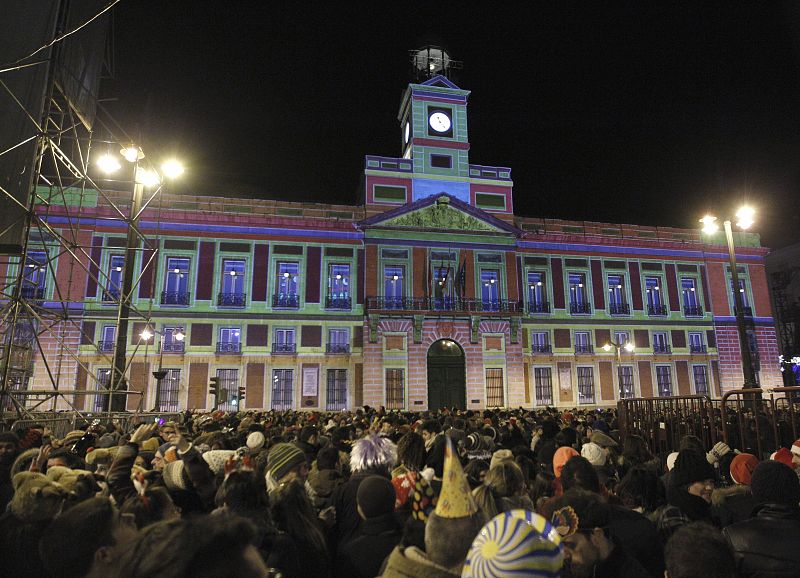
(649, 113)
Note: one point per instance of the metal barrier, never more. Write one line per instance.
(62, 423)
(58, 426)
(759, 425)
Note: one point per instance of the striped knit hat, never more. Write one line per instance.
(282, 458)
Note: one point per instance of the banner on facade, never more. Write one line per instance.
(310, 382)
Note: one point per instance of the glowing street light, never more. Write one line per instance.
(147, 177)
(172, 169)
(108, 164)
(628, 346)
(131, 153)
(146, 334)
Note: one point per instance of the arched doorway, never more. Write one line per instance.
(447, 386)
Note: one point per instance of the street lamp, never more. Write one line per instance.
(618, 347)
(160, 373)
(746, 218)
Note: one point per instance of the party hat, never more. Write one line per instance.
(515, 543)
(455, 499)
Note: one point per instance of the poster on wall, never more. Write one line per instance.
(310, 382)
(565, 379)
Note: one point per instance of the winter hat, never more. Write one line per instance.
(375, 496)
(216, 459)
(255, 441)
(603, 440)
(78, 483)
(783, 456)
(373, 452)
(101, 456)
(149, 445)
(561, 457)
(175, 476)
(691, 467)
(455, 498)
(742, 468)
(164, 448)
(594, 453)
(776, 483)
(501, 456)
(36, 497)
(9, 437)
(424, 500)
(515, 543)
(795, 449)
(282, 458)
(108, 440)
(671, 460)
(23, 461)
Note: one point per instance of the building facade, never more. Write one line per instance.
(431, 292)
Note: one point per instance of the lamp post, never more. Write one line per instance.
(618, 347)
(710, 226)
(160, 373)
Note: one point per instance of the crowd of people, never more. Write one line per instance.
(494, 493)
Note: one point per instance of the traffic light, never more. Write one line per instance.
(214, 389)
(241, 393)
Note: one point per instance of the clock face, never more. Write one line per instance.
(407, 132)
(439, 122)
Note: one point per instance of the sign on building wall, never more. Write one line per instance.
(565, 382)
(310, 382)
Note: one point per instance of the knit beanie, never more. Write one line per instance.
(594, 453)
(375, 496)
(36, 497)
(795, 449)
(783, 456)
(216, 459)
(149, 445)
(500, 457)
(175, 476)
(561, 457)
(691, 467)
(603, 440)
(742, 468)
(255, 441)
(671, 460)
(282, 458)
(776, 483)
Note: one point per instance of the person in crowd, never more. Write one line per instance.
(635, 452)
(691, 484)
(735, 503)
(286, 463)
(502, 490)
(325, 477)
(698, 550)
(561, 457)
(434, 439)
(642, 491)
(9, 450)
(410, 462)
(307, 442)
(764, 544)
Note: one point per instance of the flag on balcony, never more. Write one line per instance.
(461, 277)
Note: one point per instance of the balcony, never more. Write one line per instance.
(339, 303)
(697, 348)
(583, 348)
(180, 298)
(105, 346)
(284, 348)
(110, 295)
(661, 348)
(540, 307)
(747, 311)
(337, 348)
(619, 309)
(657, 310)
(173, 347)
(540, 348)
(285, 301)
(693, 310)
(442, 304)
(33, 292)
(229, 347)
(580, 308)
(231, 299)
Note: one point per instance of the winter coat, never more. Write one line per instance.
(619, 564)
(640, 538)
(681, 509)
(733, 504)
(324, 482)
(344, 501)
(364, 555)
(766, 545)
(411, 562)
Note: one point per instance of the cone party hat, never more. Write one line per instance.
(455, 499)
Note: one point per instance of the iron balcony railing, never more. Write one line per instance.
(656, 310)
(110, 295)
(229, 347)
(661, 348)
(173, 347)
(693, 310)
(286, 301)
(541, 348)
(32, 292)
(540, 307)
(175, 298)
(283, 348)
(580, 308)
(619, 309)
(337, 348)
(105, 345)
(443, 304)
(695, 348)
(341, 303)
(583, 348)
(231, 299)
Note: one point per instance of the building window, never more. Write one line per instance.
(338, 296)
(169, 388)
(746, 309)
(34, 277)
(442, 288)
(442, 161)
(578, 301)
(495, 388)
(585, 385)
(393, 281)
(691, 306)
(395, 389)
(286, 285)
(540, 342)
(176, 284)
(537, 293)
(490, 289)
(660, 342)
(336, 390)
(616, 296)
(282, 385)
(700, 373)
(625, 374)
(622, 337)
(114, 284)
(696, 344)
(171, 343)
(583, 342)
(229, 340)
(283, 341)
(228, 389)
(543, 383)
(232, 292)
(108, 338)
(338, 340)
(655, 300)
(664, 380)
(103, 383)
